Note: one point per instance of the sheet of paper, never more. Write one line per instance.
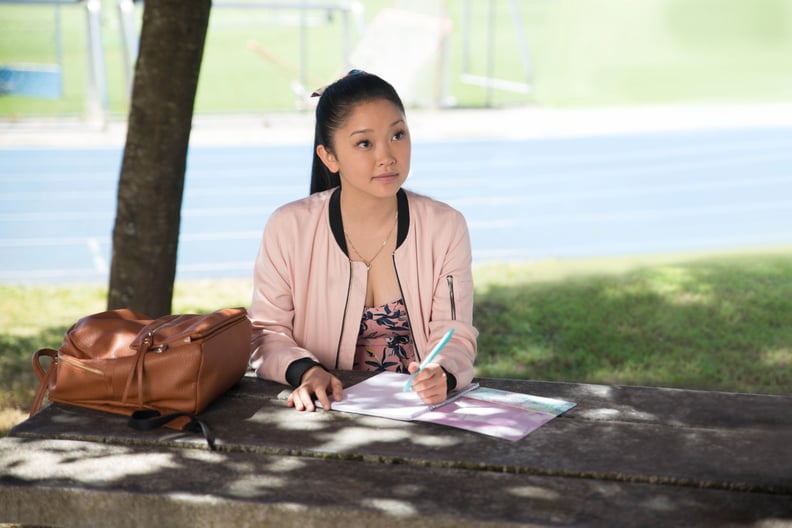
(381, 395)
(493, 412)
(523, 401)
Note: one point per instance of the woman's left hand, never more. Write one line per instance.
(430, 384)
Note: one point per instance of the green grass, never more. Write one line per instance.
(715, 322)
(592, 53)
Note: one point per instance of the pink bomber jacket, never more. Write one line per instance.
(308, 296)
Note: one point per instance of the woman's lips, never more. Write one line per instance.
(388, 176)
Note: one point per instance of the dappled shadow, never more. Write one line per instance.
(247, 487)
(709, 324)
(672, 453)
(277, 465)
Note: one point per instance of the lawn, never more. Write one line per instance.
(716, 322)
(707, 323)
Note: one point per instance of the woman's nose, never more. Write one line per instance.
(386, 157)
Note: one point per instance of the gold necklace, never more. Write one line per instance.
(369, 261)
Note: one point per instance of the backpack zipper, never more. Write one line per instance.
(150, 336)
(77, 364)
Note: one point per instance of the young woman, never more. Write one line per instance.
(362, 274)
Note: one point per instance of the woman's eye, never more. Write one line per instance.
(363, 143)
(398, 135)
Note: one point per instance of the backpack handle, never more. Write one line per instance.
(45, 377)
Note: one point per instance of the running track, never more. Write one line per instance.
(630, 194)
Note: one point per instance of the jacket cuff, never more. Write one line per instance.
(450, 380)
(297, 369)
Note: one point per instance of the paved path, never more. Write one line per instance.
(532, 183)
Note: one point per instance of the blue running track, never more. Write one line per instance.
(529, 199)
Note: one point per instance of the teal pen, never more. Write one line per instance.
(433, 354)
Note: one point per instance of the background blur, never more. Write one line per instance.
(264, 56)
(560, 128)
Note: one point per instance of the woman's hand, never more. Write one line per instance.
(315, 382)
(430, 384)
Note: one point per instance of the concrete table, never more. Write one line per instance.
(624, 456)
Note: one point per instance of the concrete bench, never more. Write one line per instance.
(624, 456)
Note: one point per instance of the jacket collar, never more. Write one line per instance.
(337, 225)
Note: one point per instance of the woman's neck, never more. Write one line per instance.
(370, 211)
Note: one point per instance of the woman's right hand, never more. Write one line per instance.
(315, 382)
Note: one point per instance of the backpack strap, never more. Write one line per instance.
(148, 419)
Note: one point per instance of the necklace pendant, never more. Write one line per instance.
(369, 262)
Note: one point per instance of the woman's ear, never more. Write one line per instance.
(327, 158)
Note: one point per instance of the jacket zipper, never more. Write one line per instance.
(343, 319)
(406, 311)
(450, 280)
(452, 300)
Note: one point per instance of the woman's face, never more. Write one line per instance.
(371, 150)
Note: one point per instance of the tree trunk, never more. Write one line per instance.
(151, 184)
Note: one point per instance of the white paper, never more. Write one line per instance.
(492, 412)
(381, 395)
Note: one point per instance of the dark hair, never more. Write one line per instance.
(335, 104)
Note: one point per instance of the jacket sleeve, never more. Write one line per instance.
(271, 313)
(452, 303)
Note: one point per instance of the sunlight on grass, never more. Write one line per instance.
(206, 295)
(679, 286)
(9, 417)
(778, 358)
(26, 309)
(698, 322)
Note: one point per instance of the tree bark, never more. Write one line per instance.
(151, 183)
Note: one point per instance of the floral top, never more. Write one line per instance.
(384, 341)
